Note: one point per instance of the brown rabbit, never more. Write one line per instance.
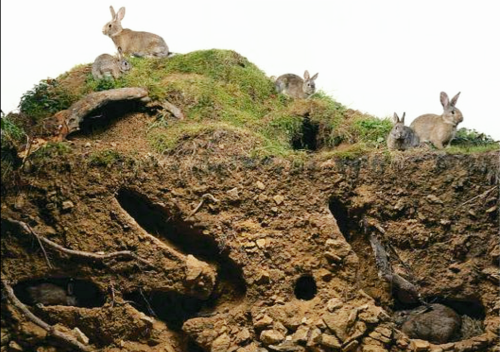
(132, 42)
(439, 129)
(296, 87)
(106, 65)
(437, 323)
(51, 294)
(401, 137)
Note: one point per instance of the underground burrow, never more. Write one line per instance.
(305, 288)
(341, 214)
(471, 315)
(170, 307)
(307, 138)
(59, 291)
(169, 227)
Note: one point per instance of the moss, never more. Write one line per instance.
(107, 158)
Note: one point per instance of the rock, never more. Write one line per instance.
(332, 257)
(15, 347)
(301, 334)
(5, 337)
(147, 319)
(338, 322)
(419, 345)
(260, 185)
(80, 336)
(200, 275)
(271, 337)
(330, 341)
(221, 343)
(314, 337)
(263, 278)
(278, 199)
(433, 199)
(333, 304)
(243, 335)
(325, 275)
(277, 326)
(262, 321)
(233, 194)
(338, 246)
(287, 346)
(261, 243)
(351, 346)
(372, 314)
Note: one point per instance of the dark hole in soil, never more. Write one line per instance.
(305, 288)
(307, 139)
(471, 308)
(59, 291)
(181, 235)
(101, 119)
(341, 215)
(172, 308)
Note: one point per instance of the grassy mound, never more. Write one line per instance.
(221, 90)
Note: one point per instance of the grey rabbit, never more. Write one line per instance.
(51, 294)
(133, 42)
(296, 87)
(402, 137)
(439, 129)
(436, 323)
(106, 65)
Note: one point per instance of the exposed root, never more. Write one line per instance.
(203, 198)
(63, 337)
(82, 254)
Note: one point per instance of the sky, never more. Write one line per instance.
(378, 57)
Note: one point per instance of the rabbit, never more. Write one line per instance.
(436, 323)
(51, 294)
(439, 129)
(106, 65)
(296, 87)
(402, 137)
(132, 42)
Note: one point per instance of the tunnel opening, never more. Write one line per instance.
(305, 288)
(59, 291)
(170, 307)
(341, 215)
(307, 138)
(101, 119)
(169, 227)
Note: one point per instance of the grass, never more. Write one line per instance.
(221, 91)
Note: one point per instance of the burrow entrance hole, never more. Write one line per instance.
(305, 288)
(341, 215)
(59, 291)
(101, 119)
(168, 225)
(307, 138)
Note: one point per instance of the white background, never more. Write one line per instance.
(379, 56)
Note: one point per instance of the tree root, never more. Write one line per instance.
(203, 198)
(77, 253)
(51, 330)
(67, 121)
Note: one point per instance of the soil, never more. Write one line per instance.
(246, 254)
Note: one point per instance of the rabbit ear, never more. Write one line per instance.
(120, 53)
(395, 118)
(445, 101)
(314, 77)
(306, 75)
(120, 14)
(113, 15)
(454, 99)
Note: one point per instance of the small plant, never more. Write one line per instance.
(51, 150)
(469, 137)
(45, 99)
(106, 158)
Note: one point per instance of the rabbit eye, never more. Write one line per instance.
(109, 25)
(453, 112)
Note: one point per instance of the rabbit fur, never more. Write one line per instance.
(439, 129)
(132, 42)
(402, 137)
(106, 65)
(436, 323)
(296, 87)
(51, 294)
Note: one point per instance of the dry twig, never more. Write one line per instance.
(479, 196)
